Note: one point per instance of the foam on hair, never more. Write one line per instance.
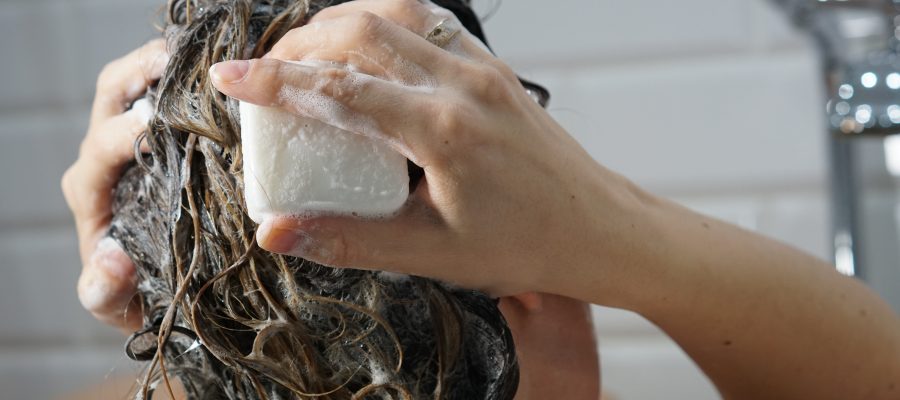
(232, 321)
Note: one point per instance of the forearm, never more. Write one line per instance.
(762, 319)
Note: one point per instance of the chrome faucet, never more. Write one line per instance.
(859, 43)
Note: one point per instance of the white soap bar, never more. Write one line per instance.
(298, 166)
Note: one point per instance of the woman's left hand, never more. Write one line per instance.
(107, 284)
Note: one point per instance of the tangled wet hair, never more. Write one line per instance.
(232, 321)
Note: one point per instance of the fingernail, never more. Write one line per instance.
(108, 282)
(111, 258)
(95, 291)
(230, 71)
(276, 240)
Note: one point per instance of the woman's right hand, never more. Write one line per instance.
(510, 202)
(106, 287)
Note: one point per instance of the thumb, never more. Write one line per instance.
(393, 244)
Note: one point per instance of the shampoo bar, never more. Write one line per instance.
(295, 165)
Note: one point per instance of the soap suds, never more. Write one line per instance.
(379, 374)
(394, 277)
(143, 109)
(317, 105)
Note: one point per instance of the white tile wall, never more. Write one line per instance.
(35, 149)
(53, 51)
(535, 32)
(38, 304)
(727, 122)
(31, 78)
(712, 102)
(100, 31)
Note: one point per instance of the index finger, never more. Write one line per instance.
(355, 102)
(126, 78)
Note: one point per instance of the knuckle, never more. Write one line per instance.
(282, 47)
(401, 3)
(449, 117)
(266, 80)
(326, 13)
(293, 33)
(157, 45)
(89, 292)
(490, 84)
(503, 69)
(105, 81)
(369, 25)
(87, 150)
(338, 253)
(410, 14)
(335, 74)
(339, 86)
(66, 184)
(101, 293)
(404, 5)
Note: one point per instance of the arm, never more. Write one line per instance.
(761, 319)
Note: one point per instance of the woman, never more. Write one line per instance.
(761, 319)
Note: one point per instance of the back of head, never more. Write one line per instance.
(232, 321)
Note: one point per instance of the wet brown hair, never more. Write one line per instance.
(232, 321)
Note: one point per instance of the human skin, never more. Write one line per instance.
(555, 347)
(549, 362)
(106, 286)
(510, 203)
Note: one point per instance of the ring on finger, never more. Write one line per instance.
(443, 33)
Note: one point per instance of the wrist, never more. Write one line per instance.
(621, 246)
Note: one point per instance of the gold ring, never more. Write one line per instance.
(442, 33)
